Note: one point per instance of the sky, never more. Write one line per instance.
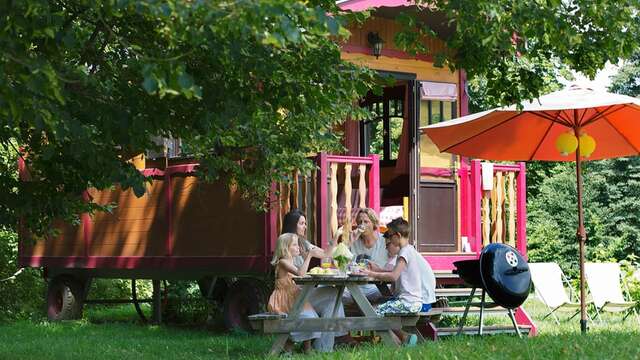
(600, 82)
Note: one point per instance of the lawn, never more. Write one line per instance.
(115, 333)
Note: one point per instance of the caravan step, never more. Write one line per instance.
(474, 310)
(486, 330)
(447, 292)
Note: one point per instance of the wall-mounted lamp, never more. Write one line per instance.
(375, 41)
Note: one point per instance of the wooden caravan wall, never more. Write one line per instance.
(69, 242)
(136, 227)
(386, 29)
(211, 220)
(178, 216)
(357, 50)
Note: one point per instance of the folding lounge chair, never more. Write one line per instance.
(604, 280)
(549, 280)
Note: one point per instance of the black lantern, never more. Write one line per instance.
(375, 41)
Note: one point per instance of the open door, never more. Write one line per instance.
(436, 183)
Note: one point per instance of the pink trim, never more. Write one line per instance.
(227, 264)
(464, 97)
(173, 169)
(434, 171)
(392, 53)
(360, 5)
(322, 204)
(272, 221)
(168, 214)
(465, 197)
(506, 167)
(374, 184)
(521, 210)
(87, 225)
(342, 159)
(522, 318)
(152, 172)
(476, 211)
(445, 262)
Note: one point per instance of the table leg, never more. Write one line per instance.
(369, 311)
(338, 300)
(294, 313)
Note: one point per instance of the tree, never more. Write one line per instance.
(512, 43)
(252, 86)
(627, 80)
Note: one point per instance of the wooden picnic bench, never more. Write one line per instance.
(283, 325)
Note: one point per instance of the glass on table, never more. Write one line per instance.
(326, 263)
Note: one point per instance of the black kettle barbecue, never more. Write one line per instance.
(503, 273)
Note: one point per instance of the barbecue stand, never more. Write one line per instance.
(503, 273)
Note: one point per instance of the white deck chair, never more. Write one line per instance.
(549, 280)
(604, 281)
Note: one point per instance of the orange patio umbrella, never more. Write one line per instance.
(573, 124)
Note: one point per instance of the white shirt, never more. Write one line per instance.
(428, 281)
(377, 253)
(409, 284)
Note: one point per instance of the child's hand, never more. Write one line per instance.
(367, 272)
(373, 266)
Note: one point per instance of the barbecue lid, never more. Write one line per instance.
(505, 274)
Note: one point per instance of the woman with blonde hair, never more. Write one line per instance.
(368, 243)
(285, 290)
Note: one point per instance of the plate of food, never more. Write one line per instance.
(320, 272)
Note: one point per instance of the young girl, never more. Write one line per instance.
(285, 290)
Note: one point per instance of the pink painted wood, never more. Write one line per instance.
(462, 91)
(360, 5)
(87, 225)
(476, 211)
(445, 261)
(226, 264)
(344, 159)
(522, 318)
(465, 199)
(374, 184)
(323, 200)
(271, 223)
(521, 210)
(434, 171)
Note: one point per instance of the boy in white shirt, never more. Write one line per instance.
(407, 277)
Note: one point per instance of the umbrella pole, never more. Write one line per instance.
(581, 239)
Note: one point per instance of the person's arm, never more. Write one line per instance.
(390, 276)
(374, 267)
(290, 267)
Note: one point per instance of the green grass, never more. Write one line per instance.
(115, 333)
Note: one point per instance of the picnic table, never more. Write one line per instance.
(370, 321)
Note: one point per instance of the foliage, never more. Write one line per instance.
(512, 43)
(22, 297)
(251, 87)
(627, 80)
(612, 216)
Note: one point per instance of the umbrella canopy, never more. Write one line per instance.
(533, 132)
(530, 134)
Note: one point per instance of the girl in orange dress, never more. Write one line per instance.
(285, 290)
